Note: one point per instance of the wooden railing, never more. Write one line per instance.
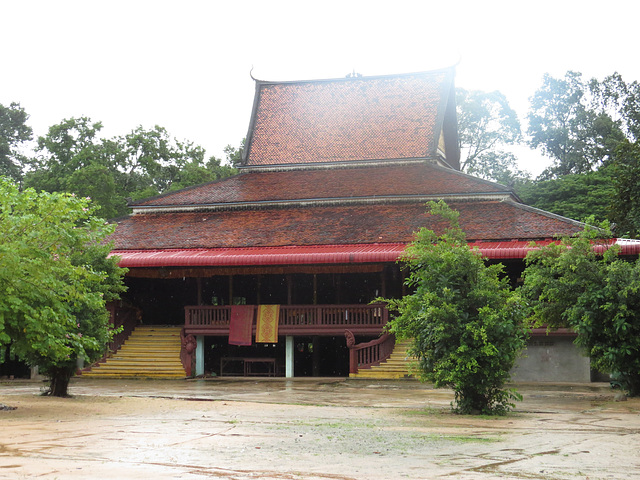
(125, 317)
(364, 355)
(295, 319)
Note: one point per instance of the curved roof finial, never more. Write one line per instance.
(251, 75)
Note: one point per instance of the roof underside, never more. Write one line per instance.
(373, 118)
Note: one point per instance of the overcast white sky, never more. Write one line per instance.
(185, 65)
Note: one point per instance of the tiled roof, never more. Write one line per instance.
(318, 254)
(369, 118)
(421, 178)
(356, 224)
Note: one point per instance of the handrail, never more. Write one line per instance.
(365, 355)
(125, 317)
(188, 345)
(210, 316)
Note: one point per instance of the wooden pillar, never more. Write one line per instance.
(289, 290)
(403, 272)
(289, 352)
(315, 288)
(230, 289)
(199, 287)
(199, 355)
(315, 356)
(383, 284)
(258, 288)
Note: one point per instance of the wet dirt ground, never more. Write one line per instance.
(312, 429)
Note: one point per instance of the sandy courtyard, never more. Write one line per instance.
(310, 429)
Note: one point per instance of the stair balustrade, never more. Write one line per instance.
(365, 355)
(123, 319)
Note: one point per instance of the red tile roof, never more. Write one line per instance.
(316, 254)
(288, 255)
(422, 178)
(370, 118)
(355, 224)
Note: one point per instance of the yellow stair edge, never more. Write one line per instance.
(151, 351)
(394, 367)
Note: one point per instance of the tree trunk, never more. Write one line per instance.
(59, 382)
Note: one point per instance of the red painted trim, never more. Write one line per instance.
(286, 255)
(320, 254)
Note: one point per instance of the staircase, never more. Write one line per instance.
(149, 352)
(396, 366)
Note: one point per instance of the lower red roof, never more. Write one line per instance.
(287, 255)
(316, 254)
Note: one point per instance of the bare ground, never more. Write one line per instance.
(311, 429)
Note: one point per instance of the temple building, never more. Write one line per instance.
(273, 271)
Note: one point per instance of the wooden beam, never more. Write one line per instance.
(269, 270)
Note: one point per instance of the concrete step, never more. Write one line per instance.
(151, 347)
(150, 351)
(396, 366)
(134, 375)
(148, 355)
(141, 362)
(136, 370)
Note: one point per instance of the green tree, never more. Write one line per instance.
(570, 124)
(55, 279)
(465, 321)
(143, 163)
(576, 196)
(583, 284)
(72, 158)
(625, 207)
(195, 174)
(621, 100)
(13, 132)
(487, 126)
(234, 155)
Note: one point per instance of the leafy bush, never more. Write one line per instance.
(466, 323)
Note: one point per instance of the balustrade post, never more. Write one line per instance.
(353, 360)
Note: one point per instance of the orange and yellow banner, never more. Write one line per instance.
(267, 324)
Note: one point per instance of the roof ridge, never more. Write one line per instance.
(348, 78)
(555, 216)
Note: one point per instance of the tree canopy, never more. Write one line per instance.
(55, 279)
(582, 283)
(146, 162)
(466, 323)
(575, 196)
(571, 121)
(487, 127)
(14, 131)
(625, 204)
